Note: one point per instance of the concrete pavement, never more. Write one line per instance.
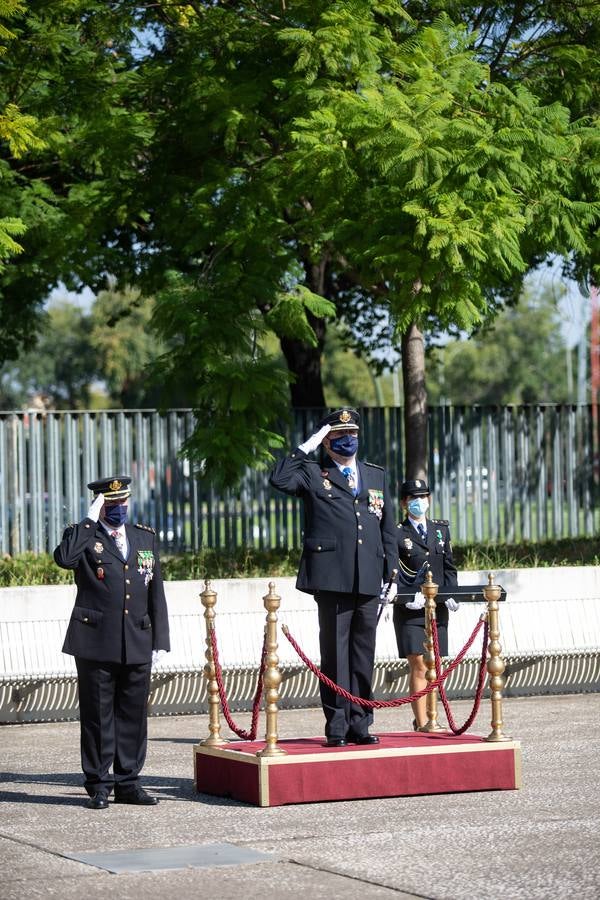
(539, 842)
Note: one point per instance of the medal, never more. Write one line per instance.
(408, 543)
(98, 547)
(100, 573)
(327, 484)
(145, 565)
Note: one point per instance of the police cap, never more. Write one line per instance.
(416, 487)
(341, 420)
(116, 487)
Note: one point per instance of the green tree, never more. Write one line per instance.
(519, 358)
(62, 367)
(127, 348)
(264, 167)
(18, 132)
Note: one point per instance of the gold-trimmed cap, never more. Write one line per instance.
(115, 487)
(416, 487)
(342, 420)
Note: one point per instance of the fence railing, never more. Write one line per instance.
(498, 473)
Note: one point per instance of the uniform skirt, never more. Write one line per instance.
(410, 634)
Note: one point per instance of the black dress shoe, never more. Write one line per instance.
(139, 797)
(365, 739)
(337, 742)
(98, 801)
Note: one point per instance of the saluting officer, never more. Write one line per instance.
(349, 547)
(422, 540)
(118, 627)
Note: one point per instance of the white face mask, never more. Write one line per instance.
(418, 506)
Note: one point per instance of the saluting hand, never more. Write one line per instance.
(315, 440)
(95, 508)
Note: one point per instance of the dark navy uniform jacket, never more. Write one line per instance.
(436, 549)
(120, 612)
(344, 535)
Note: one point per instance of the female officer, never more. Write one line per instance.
(422, 540)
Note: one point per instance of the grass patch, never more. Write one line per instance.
(38, 569)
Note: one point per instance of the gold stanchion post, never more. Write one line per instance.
(495, 663)
(430, 589)
(214, 739)
(272, 676)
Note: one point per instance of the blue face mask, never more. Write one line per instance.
(347, 445)
(116, 515)
(418, 506)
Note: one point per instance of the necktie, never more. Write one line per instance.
(118, 539)
(421, 530)
(347, 471)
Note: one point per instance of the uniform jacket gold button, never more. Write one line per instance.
(360, 527)
(360, 540)
(319, 548)
(86, 525)
(125, 566)
(126, 612)
(128, 581)
(85, 619)
(128, 596)
(357, 513)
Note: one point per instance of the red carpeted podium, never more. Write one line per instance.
(401, 765)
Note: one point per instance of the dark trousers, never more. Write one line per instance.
(347, 627)
(113, 702)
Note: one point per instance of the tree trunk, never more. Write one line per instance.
(305, 363)
(303, 360)
(415, 403)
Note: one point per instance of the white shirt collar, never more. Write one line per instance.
(416, 524)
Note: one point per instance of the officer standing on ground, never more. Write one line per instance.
(349, 547)
(118, 628)
(422, 540)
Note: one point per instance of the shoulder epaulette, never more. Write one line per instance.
(440, 521)
(374, 465)
(146, 528)
(71, 525)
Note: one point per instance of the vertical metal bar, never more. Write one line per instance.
(36, 488)
(107, 446)
(495, 486)
(477, 466)
(588, 471)
(461, 473)
(21, 485)
(557, 473)
(570, 471)
(56, 519)
(523, 473)
(4, 475)
(540, 470)
(509, 474)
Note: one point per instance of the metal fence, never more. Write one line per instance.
(498, 473)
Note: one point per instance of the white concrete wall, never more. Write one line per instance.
(549, 610)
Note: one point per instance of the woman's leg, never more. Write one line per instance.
(416, 682)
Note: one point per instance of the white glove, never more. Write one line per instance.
(388, 595)
(451, 604)
(315, 440)
(418, 602)
(94, 510)
(157, 655)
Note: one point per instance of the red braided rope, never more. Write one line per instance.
(245, 735)
(382, 704)
(480, 681)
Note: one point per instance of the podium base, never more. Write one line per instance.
(401, 765)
